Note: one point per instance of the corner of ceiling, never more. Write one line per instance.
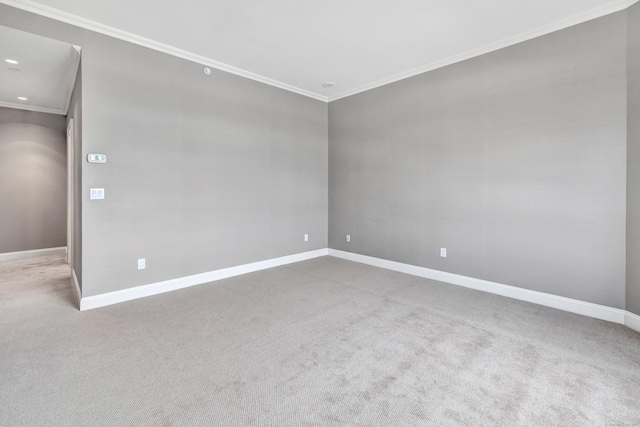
(491, 47)
(49, 12)
(68, 18)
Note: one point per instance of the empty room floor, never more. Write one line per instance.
(325, 342)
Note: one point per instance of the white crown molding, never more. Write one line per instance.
(632, 321)
(491, 47)
(554, 301)
(10, 256)
(49, 12)
(96, 301)
(58, 15)
(32, 108)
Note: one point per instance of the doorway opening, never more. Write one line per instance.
(40, 116)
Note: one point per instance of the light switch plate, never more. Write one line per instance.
(96, 193)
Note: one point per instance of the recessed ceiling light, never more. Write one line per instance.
(11, 61)
(22, 98)
(328, 85)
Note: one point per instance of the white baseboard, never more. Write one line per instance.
(562, 303)
(10, 256)
(90, 302)
(75, 285)
(632, 321)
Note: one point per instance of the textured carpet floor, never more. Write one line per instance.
(325, 342)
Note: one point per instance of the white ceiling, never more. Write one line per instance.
(299, 44)
(44, 75)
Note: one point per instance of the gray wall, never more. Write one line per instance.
(633, 180)
(33, 179)
(203, 172)
(75, 112)
(514, 161)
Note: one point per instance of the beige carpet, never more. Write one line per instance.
(324, 342)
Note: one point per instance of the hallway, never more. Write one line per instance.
(42, 283)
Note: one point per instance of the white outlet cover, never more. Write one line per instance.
(443, 252)
(348, 237)
(306, 237)
(142, 263)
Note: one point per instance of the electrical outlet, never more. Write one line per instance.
(443, 252)
(142, 264)
(306, 237)
(348, 238)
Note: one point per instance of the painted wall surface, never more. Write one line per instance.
(75, 112)
(515, 161)
(33, 180)
(203, 172)
(633, 179)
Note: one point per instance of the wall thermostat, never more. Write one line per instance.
(96, 158)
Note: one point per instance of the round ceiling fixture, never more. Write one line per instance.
(207, 71)
(328, 85)
(11, 61)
